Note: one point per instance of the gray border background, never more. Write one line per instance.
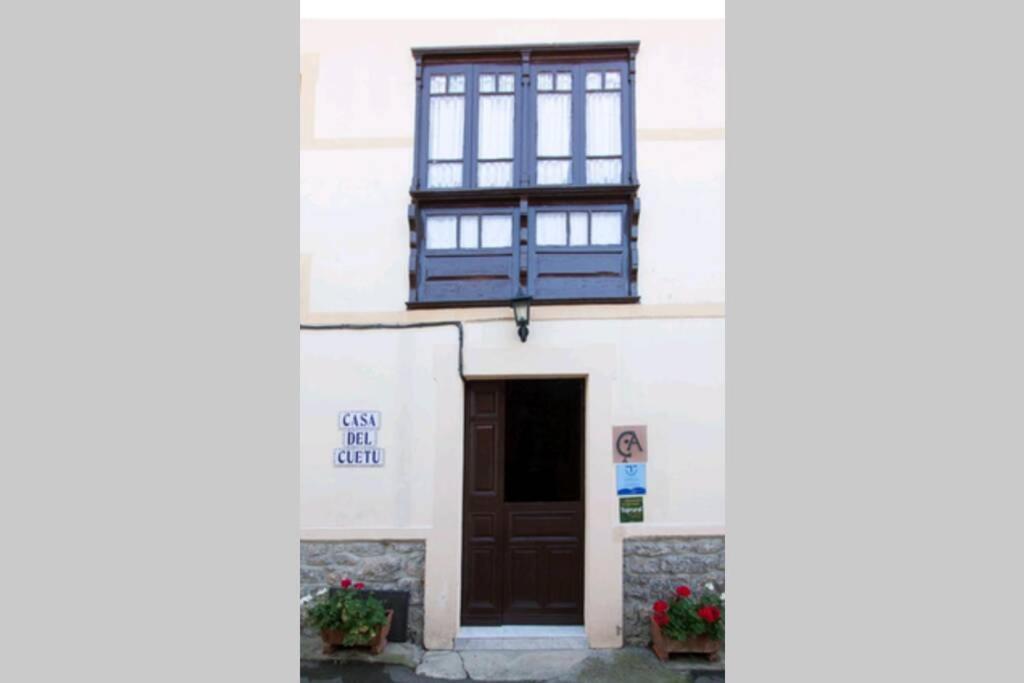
(149, 494)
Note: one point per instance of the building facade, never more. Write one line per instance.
(494, 470)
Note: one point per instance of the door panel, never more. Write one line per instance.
(522, 561)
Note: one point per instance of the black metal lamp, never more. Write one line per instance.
(521, 309)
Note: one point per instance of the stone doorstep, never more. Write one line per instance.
(520, 638)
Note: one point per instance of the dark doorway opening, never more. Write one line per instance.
(523, 502)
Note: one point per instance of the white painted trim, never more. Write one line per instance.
(416, 533)
(649, 530)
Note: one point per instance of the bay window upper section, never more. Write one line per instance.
(512, 117)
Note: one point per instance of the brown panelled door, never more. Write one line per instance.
(523, 503)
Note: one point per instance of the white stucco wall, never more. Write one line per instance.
(659, 363)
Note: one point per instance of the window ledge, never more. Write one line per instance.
(527, 192)
(417, 305)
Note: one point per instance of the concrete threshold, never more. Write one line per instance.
(520, 638)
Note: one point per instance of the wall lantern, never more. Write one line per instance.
(521, 309)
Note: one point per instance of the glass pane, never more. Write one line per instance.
(553, 172)
(612, 80)
(457, 83)
(446, 121)
(495, 132)
(440, 232)
(437, 84)
(544, 452)
(487, 83)
(545, 81)
(444, 175)
(551, 228)
(507, 83)
(606, 227)
(577, 229)
(604, 124)
(469, 228)
(604, 171)
(554, 125)
(494, 174)
(593, 80)
(564, 81)
(496, 232)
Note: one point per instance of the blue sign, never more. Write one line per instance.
(631, 479)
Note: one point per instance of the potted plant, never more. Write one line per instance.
(348, 617)
(689, 623)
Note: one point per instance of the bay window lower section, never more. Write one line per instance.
(583, 252)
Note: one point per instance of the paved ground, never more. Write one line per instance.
(403, 663)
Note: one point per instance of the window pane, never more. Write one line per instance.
(457, 83)
(494, 174)
(551, 229)
(444, 175)
(446, 121)
(496, 127)
(553, 172)
(606, 227)
(545, 81)
(612, 80)
(468, 232)
(440, 232)
(604, 124)
(563, 81)
(604, 171)
(437, 84)
(487, 83)
(507, 83)
(496, 232)
(577, 228)
(554, 125)
(593, 80)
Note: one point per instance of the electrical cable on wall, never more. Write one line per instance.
(394, 326)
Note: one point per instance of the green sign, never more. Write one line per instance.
(631, 509)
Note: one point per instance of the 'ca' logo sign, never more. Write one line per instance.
(627, 443)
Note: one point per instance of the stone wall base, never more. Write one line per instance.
(653, 567)
(381, 565)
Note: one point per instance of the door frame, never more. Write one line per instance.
(501, 532)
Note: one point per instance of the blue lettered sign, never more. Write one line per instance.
(631, 479)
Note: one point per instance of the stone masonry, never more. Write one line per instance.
(653, 567)
(381, 565)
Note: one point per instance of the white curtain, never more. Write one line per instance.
(604, 137)
(469, 232)
(577, 229)
(551, 228)
(447, 120)
(554, 136)
(496, 232)
(605, 227)
(440, 232)
(495, 140)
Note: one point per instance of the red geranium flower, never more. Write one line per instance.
(660, 606)
(360, 586)
(709, 613)
(661, 619)
(345, 583)
(683, 591)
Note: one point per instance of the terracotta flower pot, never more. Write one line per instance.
(664, 646)
(334, 638)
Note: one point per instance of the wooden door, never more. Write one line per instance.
(523, 544)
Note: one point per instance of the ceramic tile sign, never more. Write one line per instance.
(631, 479)
(631, 509)
(359, 439)
(629, 444)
